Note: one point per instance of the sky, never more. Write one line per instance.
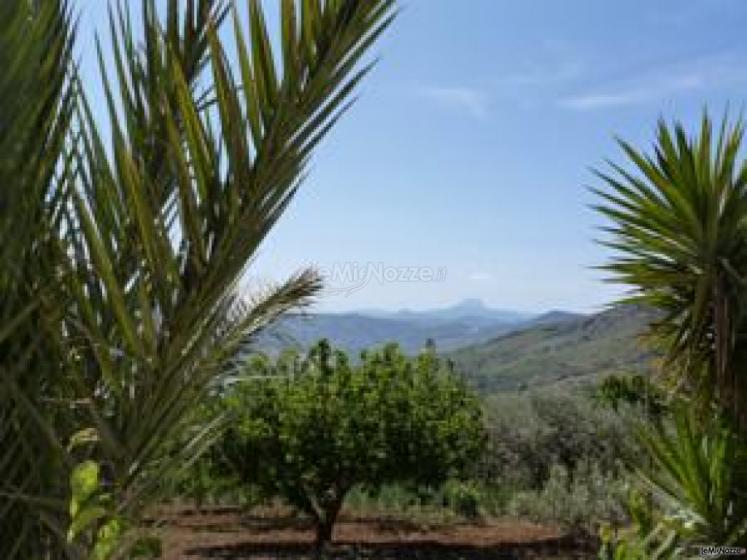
(463, 170)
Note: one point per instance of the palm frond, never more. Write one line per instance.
(36, 101)
(149, 233)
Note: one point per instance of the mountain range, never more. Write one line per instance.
(468, 309)
(466, 323)
(495, 350)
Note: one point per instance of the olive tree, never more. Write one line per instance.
(313, 428)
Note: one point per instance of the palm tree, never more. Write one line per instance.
(679, 231)
(679, 228)
(122, 254)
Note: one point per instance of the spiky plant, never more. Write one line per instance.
(698, 476)
(679, 230)
(124, 250)
(36, 108)
(696, 485)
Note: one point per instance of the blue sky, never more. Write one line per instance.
(467, 157)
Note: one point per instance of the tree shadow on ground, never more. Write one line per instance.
(555, 549)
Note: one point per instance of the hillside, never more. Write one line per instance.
(569, 350)
(461, 325)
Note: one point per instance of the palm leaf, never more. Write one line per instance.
(680, 241)
(150, 233)
(35, 114)
(696, 475)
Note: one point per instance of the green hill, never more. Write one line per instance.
(466, 323)
(570, 351)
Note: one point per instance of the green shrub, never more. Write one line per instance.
(581, 499)
(464, 498)
(531, 432)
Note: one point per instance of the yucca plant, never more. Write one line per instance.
(122, 253)
(698, 476)
(696, 491)
(679, 229)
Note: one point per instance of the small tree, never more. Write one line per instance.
(311, 436)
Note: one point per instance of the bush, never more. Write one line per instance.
(581, 499)
(531, 432)
(464, 498)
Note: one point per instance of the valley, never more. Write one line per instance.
(495, 350)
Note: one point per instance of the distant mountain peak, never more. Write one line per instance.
(556, 316)
(470, 309)
(471, 304)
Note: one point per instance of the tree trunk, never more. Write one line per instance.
(324, 529)
(325, 522)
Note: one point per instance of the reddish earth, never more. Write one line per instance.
(226, 533)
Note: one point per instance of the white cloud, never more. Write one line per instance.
(552, 62)
(470, 100)
(697, 75)
(589, 101)
(634, 94)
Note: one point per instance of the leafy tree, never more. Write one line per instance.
(125, 235)
(532, 432)
(313, 435)
(632, 390)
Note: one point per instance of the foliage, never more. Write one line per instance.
(699, 476)
(533, 431)
(555, 455)
(578, 499)
(616, 391)
(680, 236)
(203, 485)
(464, 498)
(314, 428)
(36, 106)
(681, 241)
(456, 499)
(644, 539)
(697, 489)
(123, 252)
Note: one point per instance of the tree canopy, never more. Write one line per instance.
(312, 428)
